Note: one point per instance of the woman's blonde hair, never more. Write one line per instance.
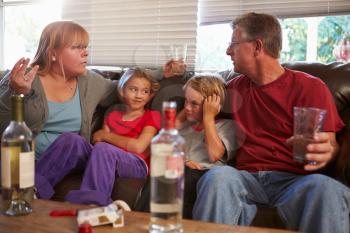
(57, 35)
(137, 73)
(208, 85)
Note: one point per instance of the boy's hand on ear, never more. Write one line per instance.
(211, 107)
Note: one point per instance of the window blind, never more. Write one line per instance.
(23, 2)
(214, 11)
(135, 32)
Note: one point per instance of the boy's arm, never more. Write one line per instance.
(193, 165)
(134, 145)
(215, 147)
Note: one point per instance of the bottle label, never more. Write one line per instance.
(170, 118)
(160, 152)
(174, 166)
(162, 149)
(165, 162)
(26, 172)
(17, 168)
(166, 207)
(9, 166)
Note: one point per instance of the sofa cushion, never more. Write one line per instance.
(171, 89)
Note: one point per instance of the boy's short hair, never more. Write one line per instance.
(140, 73)
(208, 85)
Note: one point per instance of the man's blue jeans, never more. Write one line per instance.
(307, 203)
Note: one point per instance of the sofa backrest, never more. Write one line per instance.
(337, 77)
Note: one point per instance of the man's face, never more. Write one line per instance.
(241, 50)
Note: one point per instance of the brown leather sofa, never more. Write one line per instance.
(335, 75)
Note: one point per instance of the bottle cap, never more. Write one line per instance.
(85, 228)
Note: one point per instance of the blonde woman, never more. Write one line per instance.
(60, 98)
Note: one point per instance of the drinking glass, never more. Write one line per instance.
(178, 54)
(307, 122)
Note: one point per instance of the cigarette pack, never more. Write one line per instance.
(102, 215)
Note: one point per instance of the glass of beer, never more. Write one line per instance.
(307, 122)
(178, 53)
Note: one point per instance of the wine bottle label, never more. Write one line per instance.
(17, 168)
(26, 169)
(9, 166)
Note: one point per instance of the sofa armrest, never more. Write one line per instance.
(342, 162)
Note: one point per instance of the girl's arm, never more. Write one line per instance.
(133, 145)
(215, 147)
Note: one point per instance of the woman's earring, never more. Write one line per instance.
(53, 58)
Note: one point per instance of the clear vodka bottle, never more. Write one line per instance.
(167, 175)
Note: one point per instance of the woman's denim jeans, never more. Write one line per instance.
(307, 203)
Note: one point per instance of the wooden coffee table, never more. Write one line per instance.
(40, 222)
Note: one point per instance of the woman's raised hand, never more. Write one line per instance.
(20, 80)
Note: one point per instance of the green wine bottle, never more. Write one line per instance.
(17, 163)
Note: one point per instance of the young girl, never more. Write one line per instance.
(122, 146)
